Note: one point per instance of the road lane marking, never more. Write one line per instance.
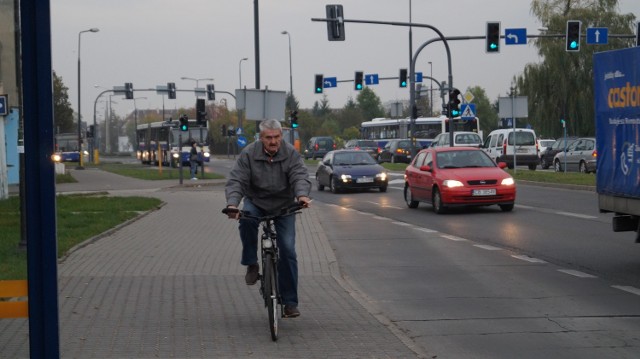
(403, 224)
(629, 289)
(576, 273)
(528, 259)
(454, 238)
(382, 218)
(487, 247)
(577, 215)
(426, 230)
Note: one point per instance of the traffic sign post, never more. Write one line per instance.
(330, 82)
(597, 36)
(371, 79)
(515, 36)
(468, 111)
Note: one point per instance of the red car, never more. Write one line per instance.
(457, 176)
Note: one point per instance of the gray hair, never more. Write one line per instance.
(270, 124)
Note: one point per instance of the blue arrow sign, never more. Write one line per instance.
(330, 82)
(3, 105)
(515, 36)
(241, 141)
(371, 79)
(468, 111)
(418, 76)
(597, 36)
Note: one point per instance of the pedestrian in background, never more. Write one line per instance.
(193, 160)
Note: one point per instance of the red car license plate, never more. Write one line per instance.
(484, 192)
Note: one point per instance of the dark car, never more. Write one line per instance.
(350, 169)
(458, 176)
(318, 146)
(547, 156)
(398, 150)
(369, 146)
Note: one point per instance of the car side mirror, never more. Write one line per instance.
(425, 168)
(502, 165)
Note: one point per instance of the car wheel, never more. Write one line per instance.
(543, 164)
(532, 167)
(556, 166)
(438, 207)
(408, 197)
(332, 185)
(320, 186)
(583, 167)
(506, 207)
(383, 189)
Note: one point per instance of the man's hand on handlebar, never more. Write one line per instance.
(304, 201)
(232, 212)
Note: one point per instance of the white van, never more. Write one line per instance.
(499, 145)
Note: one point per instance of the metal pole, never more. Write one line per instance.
(80, 162)
(514, 130)
(290, 66)
(431, 89)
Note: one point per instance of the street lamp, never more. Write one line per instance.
(431, 89)
(79, 102)
(240, 69)
(285, 32)
(197, 81)
(135, 122)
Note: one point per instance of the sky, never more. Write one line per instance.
(152, 42)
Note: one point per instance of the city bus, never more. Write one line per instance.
(426, 128)
(159, 142)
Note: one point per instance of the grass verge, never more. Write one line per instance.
(79, 217)
(152, 172)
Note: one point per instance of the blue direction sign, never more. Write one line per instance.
(330, 82)
(597, 36)
(515, 36)
(371, 79)
(3, 105)
(241, 141)
(468, 111)
(418, 76)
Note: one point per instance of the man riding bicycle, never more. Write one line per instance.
(270, 175)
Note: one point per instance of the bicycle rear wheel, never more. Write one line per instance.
(271, 295)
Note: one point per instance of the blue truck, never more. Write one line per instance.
(617, 110)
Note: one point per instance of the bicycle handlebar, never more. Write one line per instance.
(285, 211)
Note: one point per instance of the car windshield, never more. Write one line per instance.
(463, 159)
(352, 159)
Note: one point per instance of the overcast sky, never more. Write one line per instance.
(152, 42)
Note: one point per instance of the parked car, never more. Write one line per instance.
(458, 176)
(318, 146)
(543, 145)
(501, 144)
(395, 151)
(350, 169)
(580, 156)
(546, 157)
(369, 146)
(461, 138)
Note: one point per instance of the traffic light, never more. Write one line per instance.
(128, 90)
(223, 129)
(211, 92)
(454, 103)
(335, 28)
(358, 80)
(184, 123)
(573, 35)
(171, 89)
(91, 132)
(294, 119)
(201, 114)
(403, 78)
(493, 37)
(319, 83)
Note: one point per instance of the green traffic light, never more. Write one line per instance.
(404, 84)
(359, 87)
(574, 44)
(493, 46)
(318, 90)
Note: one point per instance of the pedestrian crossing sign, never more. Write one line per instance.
(468, 111)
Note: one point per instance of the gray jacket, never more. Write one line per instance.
(270, 183)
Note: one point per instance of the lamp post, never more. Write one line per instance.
(431, 89)
(285, 32)
(197, 81)
(80, 167)
(135, 122)
(240, 69)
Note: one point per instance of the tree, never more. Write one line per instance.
(561, 86)
(63, 121)
(369, 104)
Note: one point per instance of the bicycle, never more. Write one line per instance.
(269, 254)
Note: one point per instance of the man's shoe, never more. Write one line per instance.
(252, 274)
(291, 311)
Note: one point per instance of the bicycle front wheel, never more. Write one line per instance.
(271, 295)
